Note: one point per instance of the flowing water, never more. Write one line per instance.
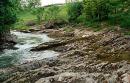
(23, 53)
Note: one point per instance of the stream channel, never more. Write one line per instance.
(25, 41)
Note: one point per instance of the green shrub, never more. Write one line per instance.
(63, 13)
(51, 13)
(117, 12)
(120, 13)
(96, 9)
(74, 11)
(38, 12)
(120, 19)
(7, 14)
(81, 19)
(31, 4)
(125, 22)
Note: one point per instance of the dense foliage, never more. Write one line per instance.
(116, 12)
(29, 4)
(33, 3)
(88, 12)
(47, 13)
(96, 9)
(51, 13)
(38, 12)
(7, 13)
(74, 11)
(120, 13)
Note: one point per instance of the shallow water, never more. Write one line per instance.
(23, 53)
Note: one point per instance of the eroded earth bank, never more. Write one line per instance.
(85, 57)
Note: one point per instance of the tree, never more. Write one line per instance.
(51, 13)
(7, 17)
(39, 13)
(96, 9)
(7, 14)
(33, 3)
(33, 6)
(74, 11)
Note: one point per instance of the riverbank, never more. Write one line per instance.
(7, 40)
(86, 57)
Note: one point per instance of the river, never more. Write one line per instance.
(22, 54)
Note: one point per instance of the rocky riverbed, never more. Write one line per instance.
(86, 57)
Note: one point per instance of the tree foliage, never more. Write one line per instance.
(29, 4)
(117, 12)
(39, 13)
(96, 9)
(51, 13)
(7, 13)
(74, 11)
(33, 3)
(120, 13)
(34, 7)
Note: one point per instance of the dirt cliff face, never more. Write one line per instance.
(89, 57)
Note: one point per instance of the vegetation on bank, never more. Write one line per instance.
(91, 13)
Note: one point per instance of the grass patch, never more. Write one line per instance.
(26, 16)
(23, 18)
(63, 12)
